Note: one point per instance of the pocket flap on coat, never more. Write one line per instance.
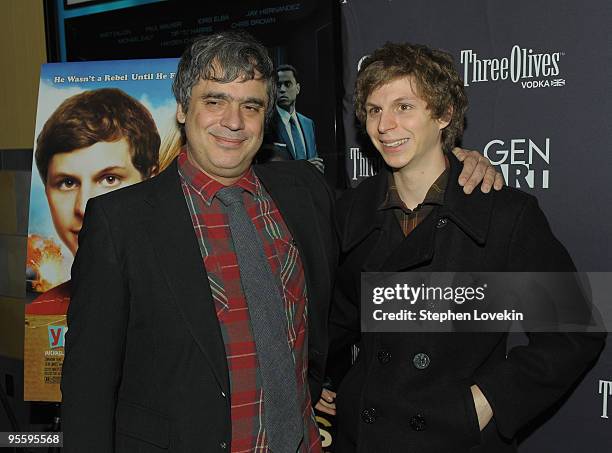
(142, 423)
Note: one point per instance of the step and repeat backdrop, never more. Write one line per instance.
(537, 76)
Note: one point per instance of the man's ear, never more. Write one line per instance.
(180, 115)
(297, 88)
(445, 119)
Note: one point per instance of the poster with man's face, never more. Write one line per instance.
(100, 126)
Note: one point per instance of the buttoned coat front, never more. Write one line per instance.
(411, 392)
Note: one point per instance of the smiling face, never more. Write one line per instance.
(76, 176)
(224, 126)
(401, 126)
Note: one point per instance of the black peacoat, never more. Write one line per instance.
(411, 392)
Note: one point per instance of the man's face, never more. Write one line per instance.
(288, 89)
(224, 126)
(400, 125)
(76, 176)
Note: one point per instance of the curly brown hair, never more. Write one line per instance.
(434, 74)
(103, 115)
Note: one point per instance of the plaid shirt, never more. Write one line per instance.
(214, 237)
(408, 218)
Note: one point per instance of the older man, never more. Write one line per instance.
(183, 319)
(200, 297)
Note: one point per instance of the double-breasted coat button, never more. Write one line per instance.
(368, 415)
(418, 422)
(421, 361)
(442, 222)
(223, 446)
(384, 356)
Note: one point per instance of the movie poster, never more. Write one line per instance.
(100, 126)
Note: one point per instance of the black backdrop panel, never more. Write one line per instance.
(546, 122)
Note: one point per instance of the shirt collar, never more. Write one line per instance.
(285, 116)
(434, 196)
(207, 187)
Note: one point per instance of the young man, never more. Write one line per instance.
(437, 392)
(95, 142)
(211, 281)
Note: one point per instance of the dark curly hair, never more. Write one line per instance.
(224, 57)
(433, 71)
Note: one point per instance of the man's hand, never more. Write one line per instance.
(318, 162)
(477, 168)
(327, 403)
(483, 408)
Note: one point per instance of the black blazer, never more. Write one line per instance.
(145, 366)
(395, 400)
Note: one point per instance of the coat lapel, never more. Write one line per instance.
(471, 213)
(415, 250)
(362, 217)
(308, 134)
(175, 243)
